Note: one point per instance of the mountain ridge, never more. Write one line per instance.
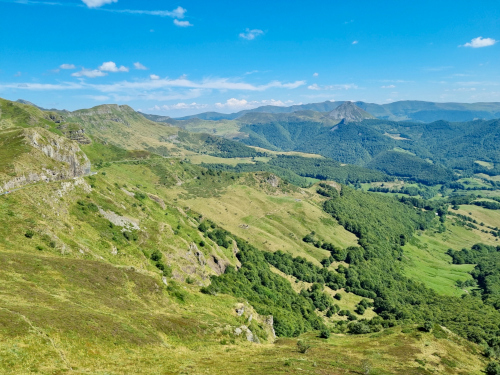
(406, 110)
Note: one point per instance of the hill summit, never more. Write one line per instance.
(349, 112)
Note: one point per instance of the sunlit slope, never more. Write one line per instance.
(425, 255)
(123, 127)
(271, 218)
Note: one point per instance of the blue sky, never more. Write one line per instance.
(184, 57)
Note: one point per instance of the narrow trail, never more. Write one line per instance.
(43, 334)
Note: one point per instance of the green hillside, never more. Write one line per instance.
(154, 264)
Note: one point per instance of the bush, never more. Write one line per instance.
(160, 266)
(359, 328)
(29, 233)
(493, 368)
(337, 296)
(325, 333)
(156, 256)
(427, 327)
(360, 310)
(302, 346)
(140, 196)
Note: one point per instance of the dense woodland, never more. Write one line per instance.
(383, 225)
(435, 152)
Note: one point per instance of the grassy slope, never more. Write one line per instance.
(276, 221)
(122, 126)
(78, 305)
(426, 259)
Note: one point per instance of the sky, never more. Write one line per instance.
(176, 58)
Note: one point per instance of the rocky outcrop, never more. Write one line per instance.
(72, 162)
(273, 181)
(59, 149)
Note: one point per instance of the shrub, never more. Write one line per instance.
(140, 196)
(359, 328)
(160, 266)
(427, 327)
(29, 233)
(156, 256)
(493, 368)
(337, 296)
(303, 347)
(360, 310)
(325, 333)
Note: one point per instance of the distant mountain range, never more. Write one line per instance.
(408, 110)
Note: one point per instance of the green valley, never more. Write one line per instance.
(132, 246)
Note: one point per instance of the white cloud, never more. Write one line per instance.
(355, 42)
(348, 86)
(182, 23)
(43, 86)
(480, 42)
(154, 77)
(251, 34)
(315, 74)
(98, 3)
(110, 66)
(67, 66)
(89, 73)
(215, 84)
(176, 13)
(239, 104)
(139, 66)
(388, 87)
(178, 106)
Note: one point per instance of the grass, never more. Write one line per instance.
(78, 297)
(485, 164)
(425, 256)
(199, 159)
(482, 215)
(272, 222)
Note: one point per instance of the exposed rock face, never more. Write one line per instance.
(126, 222)
(250, 336)
(349, 112)
(273, 181)
(73, 162)
(270, 322)
(60, 149)
(79, 136)
(218, 265)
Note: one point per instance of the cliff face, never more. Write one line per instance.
(48, 157)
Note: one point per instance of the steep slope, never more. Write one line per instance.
(35, 154)
(349, 112)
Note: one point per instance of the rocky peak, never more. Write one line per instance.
(349, 112)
